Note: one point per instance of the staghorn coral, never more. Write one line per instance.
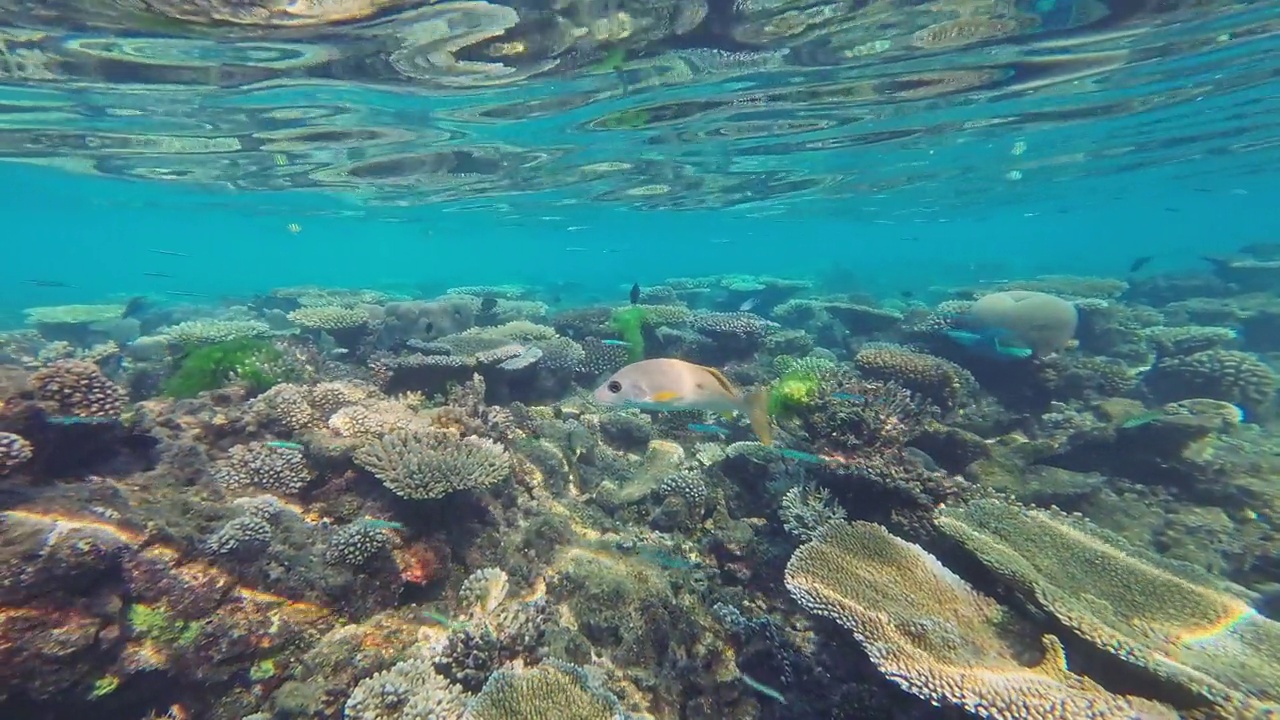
(944, 383)
(14, 452)
(78, 389)
(1149, 612)
(429, 464)
(932, 634)
(277, 469)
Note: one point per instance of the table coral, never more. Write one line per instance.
(936, 637)
(1143, 610)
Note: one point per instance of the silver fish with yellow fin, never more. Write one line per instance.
(671, 384)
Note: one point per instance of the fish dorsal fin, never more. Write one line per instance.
(720, 378)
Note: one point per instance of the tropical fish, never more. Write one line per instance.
(168, 252)
(667, 384)
(136, 305)
(157, 275)
(619, 343)
(709, 429)
(50, 283)
(856, 397)
(749, 303)
(802, 456)
(635, 293)
(488, 305)
(1140, 263)
(77, 420)
(284, 444)
(988, 343)
(1142, 419)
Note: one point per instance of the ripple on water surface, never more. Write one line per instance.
(656, 105)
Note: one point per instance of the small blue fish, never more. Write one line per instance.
(381, 524)
(748, 304)
(802, 456)
(77, 420)
(709, 429)
(285, 445)
(618, 343)
(988, 343)
(856, 397)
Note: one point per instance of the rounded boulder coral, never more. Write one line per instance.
(1039, 321)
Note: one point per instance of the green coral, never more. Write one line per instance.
(629, 324)
(155, 623)
(793, 392)
(213, 366)
(104, 686)
(263, 670)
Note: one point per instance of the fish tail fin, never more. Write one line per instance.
(756, 405)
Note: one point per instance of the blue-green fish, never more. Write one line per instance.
(285, 445)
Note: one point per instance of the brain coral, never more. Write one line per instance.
(426, 464)
(1144, 610)
(1044, 323)
(935, 636)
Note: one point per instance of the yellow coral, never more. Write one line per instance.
(938, 638)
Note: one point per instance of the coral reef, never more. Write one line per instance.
(1051, 498)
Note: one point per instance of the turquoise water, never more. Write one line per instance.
(1133, 135)
(805, 203)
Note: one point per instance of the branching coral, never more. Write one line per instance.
(936, 637)
(278, 469)
(943, 382)
(78, 389)
(14, 452)
(429, 464)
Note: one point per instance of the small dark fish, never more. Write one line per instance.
(488, 305)
(168, 252)
(1140, 263)
(50, 283)
(635, 294)
(136, 305)
(1173, 209)
(184, 293)
(907, 294)
(157, 275)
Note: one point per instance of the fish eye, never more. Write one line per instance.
(614, 386)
